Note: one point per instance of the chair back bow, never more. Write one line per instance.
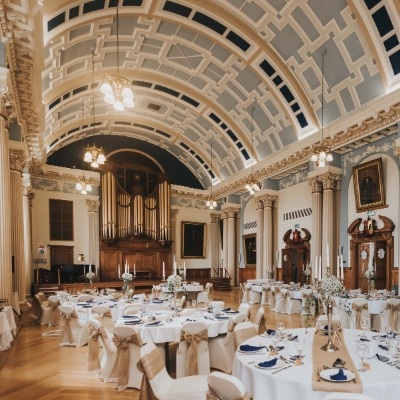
(54, 312)
(120, 370)
(192, 340)
(94, 347)
(394, 314)
(65, 327)
(306, 295)
(242, 335)
(358, 310)
(106, 314)
(36, 308)
(231, 326)
(213, 395)
(150, 366)
(260, 322)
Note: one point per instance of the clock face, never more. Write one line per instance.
(364, 255)
(381, 253)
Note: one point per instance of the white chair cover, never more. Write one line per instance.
(388, 317)
(204, 297)
(79, 329)
(364, 313)
(103, 314)
(244, 331)
(54, 317)
(247, 293)
(227, 387)
(85, 297)
(244, 308)
(132, 310)
(259, 321)
(264, 295)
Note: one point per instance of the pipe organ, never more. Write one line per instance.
(135, 222)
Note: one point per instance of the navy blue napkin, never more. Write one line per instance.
(293, 338)
(130, 316)
(157, 301)
(247, 347)
(340, 376)
(383, 347)
(133, 322)
(226, 309)
(89, 301)
(232, 312)
(191, 320)
(381, 358)
(270, 332)
(267, 364)
(154, 323)
(221, 317)
(363, 339)
(87, 306)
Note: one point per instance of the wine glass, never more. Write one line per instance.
(300, 345)
(280, 326)
(389, 332)
(364, 325)
(361, 352)
(194, 302)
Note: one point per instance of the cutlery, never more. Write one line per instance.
(397, 366)
(284, 360)
(282, 369)
(251, 362)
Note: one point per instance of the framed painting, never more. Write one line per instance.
(193, 240)
(250, 250)
(368, 186)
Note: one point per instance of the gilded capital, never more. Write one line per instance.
(259, 203)
(328, 180)
(174, 213)
(17, 160)
(26, 184)
(230, 212)
(396, 151)
(316, 186)
(93, 205)
(215, 218)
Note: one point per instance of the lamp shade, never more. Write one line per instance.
(118, 106)
(88, 157)
(127, 93)
(314, 158)
(106, 88)
(208, 203)
(128, 103)
(89, 187)
(94, 164)
(101, 158)
(329, 157)
(78, 186)
(109, 98)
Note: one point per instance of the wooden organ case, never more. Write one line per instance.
(135, 219)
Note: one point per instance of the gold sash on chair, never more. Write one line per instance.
(192, 340)
(246, 294)
(273, 298)
(120, 370)
(94, 347)
(65, 327)
(394, 315)
(358, 310)
(264, 292)
(213, 395)
(54, 313)
(106, 314)
(260, 322)
(36, 308)
(242, 335)
(150, 366)
(231, 326)
(284, 297)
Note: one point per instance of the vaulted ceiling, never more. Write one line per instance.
(199, 67)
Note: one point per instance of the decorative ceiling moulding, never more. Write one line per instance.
(187, 193)
(62, 177)
(17, 27)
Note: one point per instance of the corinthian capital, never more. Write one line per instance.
(268, 199)
(6, 103)
(316, 186)
(93, 205)
(174, 213)
(396, 151)
(215, 218)
(17, 160)
(328, 180)
(230, 212)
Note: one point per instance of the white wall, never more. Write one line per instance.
(391, 185)
(41, 224)
(250, 215)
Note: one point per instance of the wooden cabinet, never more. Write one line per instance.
(198, 273)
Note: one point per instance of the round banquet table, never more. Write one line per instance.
(6, 336)
(374, 306)
(294, 294)
(382, 382)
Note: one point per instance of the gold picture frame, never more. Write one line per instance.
(369, 189)
(250, 250)
(194, 240)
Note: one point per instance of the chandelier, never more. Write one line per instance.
(83, 185)
(117, 89)
(252, 185)
(211, 203)
(93, 154)
(322, 154)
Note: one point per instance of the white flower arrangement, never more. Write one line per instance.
(370, 274)
(331, 286)
(90, 275)
(174, 282)
(307, 272)
(127, 279)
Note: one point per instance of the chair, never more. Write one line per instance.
(219, 304)
(259, 321)
(396, 289)
(45, 311)
(290, 306)
(390, 317)
(307, 297)
(156, 379)
(346, 396)
(54, 317)
(43, 299)
(104, 315)
(276, 298)
(194, 338)
(264, 295)
(85, 297)
(157, 292)
(181, 302)
(246, 293)
(132, 309)
(227, 387)
(116, 295)
(255, 297)
(244, 331)
(280, 299)
(73, 332)
(110, 291)
(359, 310)
(244, 308)
(204, 296)
(222, 348)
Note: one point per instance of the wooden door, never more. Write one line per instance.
(301, 263)
(287, 261)
(61, 255)
(363, 256)
(380, 259)
(109, 265)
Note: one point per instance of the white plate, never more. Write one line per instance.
(251, 352)
(279, 364)
(326, 374)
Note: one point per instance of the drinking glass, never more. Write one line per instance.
(280, 326)
(194, 302)
(389, 332)
(364, 325)
(361, 352)
(300, 345)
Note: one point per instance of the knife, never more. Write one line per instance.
(282, 369)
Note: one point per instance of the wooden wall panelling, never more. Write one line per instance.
(246, 273)
(198, 273)
(108, 265)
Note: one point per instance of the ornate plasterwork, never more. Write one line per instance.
(328, 180)
(63, 177)
(17, 160)
(93, 205)
(26, 184)
(174, 213)
(230, 212)
(267, 200)
(396, 152)
(215, 218)
(316, 185)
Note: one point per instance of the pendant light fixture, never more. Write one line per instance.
(211, 203)
(252, 185)
(83, 185)
(322, 154)
(93, 154)
(117, 89)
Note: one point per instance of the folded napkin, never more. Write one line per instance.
(221, 317)
(89, 301)
(293, 338)
(133, 322)
(232, 312)
(339, 363)
(114, 300)
(226, 309)
(381, 358)
(157, 301)
(279, 348)
(247, 347)
(267, 364)
(191, 320)
(340, 376)
(363, 339)
(154, 323)
(210, 318)
(270, 332)
(130, 316)
(87, 306)
(383, 347)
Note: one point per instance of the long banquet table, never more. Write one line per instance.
(382, 382)
(7, 327)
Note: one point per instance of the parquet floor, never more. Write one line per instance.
(37, 368)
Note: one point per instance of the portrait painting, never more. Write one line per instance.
(368, 186)
(250, 250)
(193, 240)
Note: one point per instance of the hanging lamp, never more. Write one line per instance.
(252, 185)
(322, 154)
(93, 154)
(83, 185)
(211, 202)
(117, 89)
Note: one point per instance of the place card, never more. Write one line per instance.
(272, 353)
(367, 366)
(297, 363)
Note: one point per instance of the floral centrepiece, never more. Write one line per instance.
(174, 282)
(126, 279)
(331, 286)
(90, 275)
(370, 275)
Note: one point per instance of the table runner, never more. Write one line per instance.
(321, 358)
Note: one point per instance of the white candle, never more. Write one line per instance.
(84, 270)
(341, 264)
(90, 267)
(338, 267)
(363, 267)
(119, 271)
(316, 268)
(163, 268)
(327, 255)
(277, 255)
(134, 269)
(320, 267)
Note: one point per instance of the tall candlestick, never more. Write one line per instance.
(327, 255)
(184, 269)
(134, 269)
(316, 268)
(320, 267)
(338, 267)
(342, 268)
(163, 269)
(119, 271)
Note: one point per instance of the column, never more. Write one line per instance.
(174, 232)
(224, 217)
(328, 221)
(259, 239)
(336, 195)
(26, 186)
(231, 243)
(316, 250)
(268, 228)
(93, 211)
(215, 241)
(17, 164)
(5, 202)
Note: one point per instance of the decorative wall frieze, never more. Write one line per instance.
(316, 185)
(93, 205)
(17, 160)
(63, 177)
(188, 194)
(328, 180)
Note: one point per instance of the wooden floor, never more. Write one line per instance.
(37, 368)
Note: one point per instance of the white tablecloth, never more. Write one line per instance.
(6, 336)
(170, 332)
(186, 288)
(382, 382)
(374, 306)
(10, 318)
(294, 294)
